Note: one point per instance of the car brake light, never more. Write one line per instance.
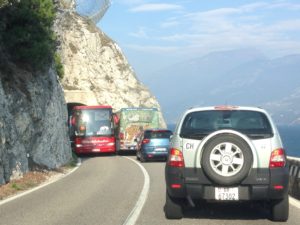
(175, 158)
(277, 158)
(225, 107)
(176, 186)
(146, 141)
(278, 187)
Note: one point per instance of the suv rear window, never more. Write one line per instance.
(254, 124)
(158, 134)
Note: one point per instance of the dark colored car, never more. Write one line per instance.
(153, 144)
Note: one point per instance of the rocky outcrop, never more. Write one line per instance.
(33, 115)
(96, 70)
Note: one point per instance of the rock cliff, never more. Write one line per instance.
(33, 117)
(96, 70)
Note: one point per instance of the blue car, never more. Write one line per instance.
(153, 144)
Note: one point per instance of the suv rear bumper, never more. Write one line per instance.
(261, 184)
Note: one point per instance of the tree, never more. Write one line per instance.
(26, 32)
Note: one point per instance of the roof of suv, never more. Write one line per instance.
(226, 107)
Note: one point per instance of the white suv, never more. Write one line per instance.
(226, 153)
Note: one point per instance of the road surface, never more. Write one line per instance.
(107, 190)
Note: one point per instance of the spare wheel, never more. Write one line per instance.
(226, 159)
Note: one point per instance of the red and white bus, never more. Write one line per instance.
(92, 129)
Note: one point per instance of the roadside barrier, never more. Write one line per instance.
(294, 183)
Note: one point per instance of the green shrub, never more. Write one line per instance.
(16, 186)
(26, 32)
(58, 66)
(3, 3)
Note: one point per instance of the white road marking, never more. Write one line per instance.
(135, 212)
(54, 179)
(294, 202)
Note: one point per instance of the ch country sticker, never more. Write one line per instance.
(189, 146)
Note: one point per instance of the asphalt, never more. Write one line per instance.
(108, 190)
(102, 191)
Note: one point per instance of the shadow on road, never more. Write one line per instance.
(228, 211)
(91, 155)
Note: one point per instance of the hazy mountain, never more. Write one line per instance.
(241, 77)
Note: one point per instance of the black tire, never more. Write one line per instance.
(244, 154)
(173, 208)
(280, 209)
(142, 158)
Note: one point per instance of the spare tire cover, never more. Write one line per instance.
(226, 159)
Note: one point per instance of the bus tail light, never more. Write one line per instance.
(121, 136)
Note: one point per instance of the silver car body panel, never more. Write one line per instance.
(192, 149)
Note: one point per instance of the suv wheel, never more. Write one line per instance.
(226, 159)
(173, 208)
(280, 209)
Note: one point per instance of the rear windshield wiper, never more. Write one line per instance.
(258, 136)
(194, 135)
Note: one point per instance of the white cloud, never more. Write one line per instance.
(285, 5)
(260, 25)
(130, 2)
(286, 25)
(153, 48)
(169, 24)
(155, 7)
(141, 33)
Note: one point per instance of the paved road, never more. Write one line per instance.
(104, 190)
(211, 214)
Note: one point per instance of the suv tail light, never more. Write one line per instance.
(175, 158)
(146, 141)
(277, 158)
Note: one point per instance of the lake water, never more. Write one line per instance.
(290, 136)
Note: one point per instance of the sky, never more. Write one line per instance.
(156, 34)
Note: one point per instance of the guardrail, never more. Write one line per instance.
(294, 184)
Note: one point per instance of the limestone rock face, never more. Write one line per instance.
(33, 122)
(96, 71)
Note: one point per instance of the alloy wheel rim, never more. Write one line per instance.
(226, 159)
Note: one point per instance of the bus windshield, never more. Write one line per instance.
(93, 122)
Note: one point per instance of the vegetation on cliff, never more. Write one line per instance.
(26, 32)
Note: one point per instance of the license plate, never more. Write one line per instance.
(160, 149)
(132, 148)
(226, 194)
(96, 150)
